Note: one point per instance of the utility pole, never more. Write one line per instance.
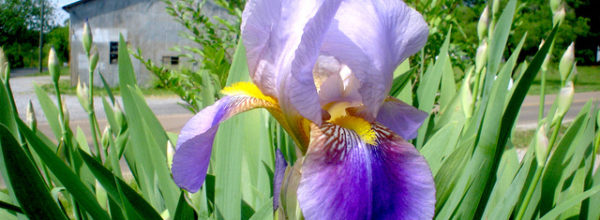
(41, 55)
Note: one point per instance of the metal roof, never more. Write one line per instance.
(69, 6)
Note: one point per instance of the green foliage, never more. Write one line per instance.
(528, 21)
(58, 38)
(20, 30)
(463, 16)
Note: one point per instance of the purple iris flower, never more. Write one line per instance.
(323, 69)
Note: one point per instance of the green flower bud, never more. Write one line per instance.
(558, 16)
(87, 38)
(170, 153)
(566, 63)
(467, 96)
(93, 60)
(598, 119)
(105, 137)
(53, 66)
(541, 145)
(495, 6)
(482, 25)
(119, 116)
(564, 100)
(3, 65)
(547, 58)
(481, 56)
(554, 4)
(65, 113)
(30, 116)
(82, 94)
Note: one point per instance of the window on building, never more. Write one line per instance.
(113, 52)
(170, 60)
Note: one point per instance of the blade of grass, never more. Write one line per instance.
(429, 85)
(149, 138)
(559, 209)
(50, 111)
(226, 150)
(25, 181)
(114, 186)
(6, 110)
(64, 174)
(556, 168)
(510, 116)
(184, 211)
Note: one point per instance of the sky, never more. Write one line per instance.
(61, 14)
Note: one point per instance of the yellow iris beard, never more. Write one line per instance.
(361, 126)
(337, 111)
(246, 89)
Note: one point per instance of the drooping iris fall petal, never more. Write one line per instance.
(194, 146)
(345, 178)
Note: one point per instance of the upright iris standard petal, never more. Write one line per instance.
(401, 118)
(344, 178)
(259, 19)
(372, 38)
(194, 146)
(283, 40)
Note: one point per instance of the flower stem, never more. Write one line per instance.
(92, 117)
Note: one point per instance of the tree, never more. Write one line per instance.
(19, 29)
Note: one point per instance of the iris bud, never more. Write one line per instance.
(4, 73)
(170, 153)
(547, 59)
(30, 116)
(82, 94)
(541, 145)
(53, 66)
(495, 6)
(564, 100)
(87, 38)
(119, 116)
(481, 56)
(566, 63)
(66, 113)
(554, 4)
(483, 23)
(105, 137)
(467, 96)
(93, 59)
(559, 16)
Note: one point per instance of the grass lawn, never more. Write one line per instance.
(66, 89)
(586, 80)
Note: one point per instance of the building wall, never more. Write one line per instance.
(144, 24)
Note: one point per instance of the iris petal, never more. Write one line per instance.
(372, 38)
(282, 40)
(344, 178)
(401, 118)
(194, 146)
(258, 20)
(280, 166)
